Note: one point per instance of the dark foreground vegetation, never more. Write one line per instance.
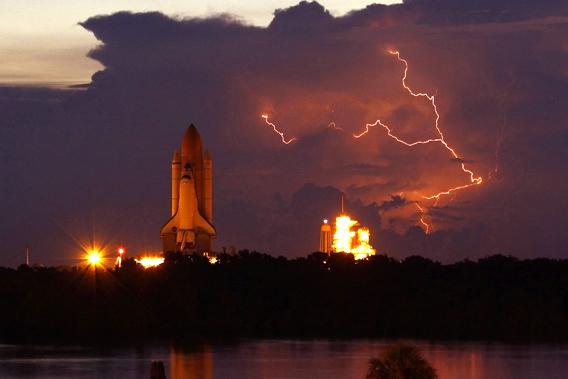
(401, 362)
(256, 295)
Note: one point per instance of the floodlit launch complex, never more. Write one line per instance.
(342, 239)
(190, 228)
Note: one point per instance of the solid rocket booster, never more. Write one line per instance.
(190, 227)
(208, 185)
(176, 177)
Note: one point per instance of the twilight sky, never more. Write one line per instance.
(41, 42)
(94, 161)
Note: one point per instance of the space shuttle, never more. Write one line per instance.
(190, 227)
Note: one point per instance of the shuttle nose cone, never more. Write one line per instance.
(191, 145)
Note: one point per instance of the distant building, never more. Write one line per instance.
(326, 237)
(190, 228)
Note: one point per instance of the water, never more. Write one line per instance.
(280, 360)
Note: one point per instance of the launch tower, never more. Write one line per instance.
(325, 237)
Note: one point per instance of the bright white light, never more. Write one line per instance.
(149, 261)
(94, 257)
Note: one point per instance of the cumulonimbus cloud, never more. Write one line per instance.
(497, 69)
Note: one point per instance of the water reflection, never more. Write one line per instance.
(279, 360)
(191, 363)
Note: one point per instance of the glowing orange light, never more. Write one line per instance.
(121, 250)
(150, 261)
(343, 235)
(94, 257)
(281, 134)
(211, 258)
(349, 241)
(364, 249)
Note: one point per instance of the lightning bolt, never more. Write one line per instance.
(281, 134)
(423, 221)
(473, 179)
(389, 133)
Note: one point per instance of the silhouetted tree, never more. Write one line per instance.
(400, 362)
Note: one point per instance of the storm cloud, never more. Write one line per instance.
(95, 160)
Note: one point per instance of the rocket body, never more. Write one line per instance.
(190, 227)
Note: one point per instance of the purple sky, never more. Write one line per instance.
(94, 161)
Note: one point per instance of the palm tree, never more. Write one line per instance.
(400, 362)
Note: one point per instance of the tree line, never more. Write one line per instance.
(250, 294)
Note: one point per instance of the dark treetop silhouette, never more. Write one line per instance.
(257, 295)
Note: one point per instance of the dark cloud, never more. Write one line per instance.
(395, 201)
(97, 157)
(304, 17)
